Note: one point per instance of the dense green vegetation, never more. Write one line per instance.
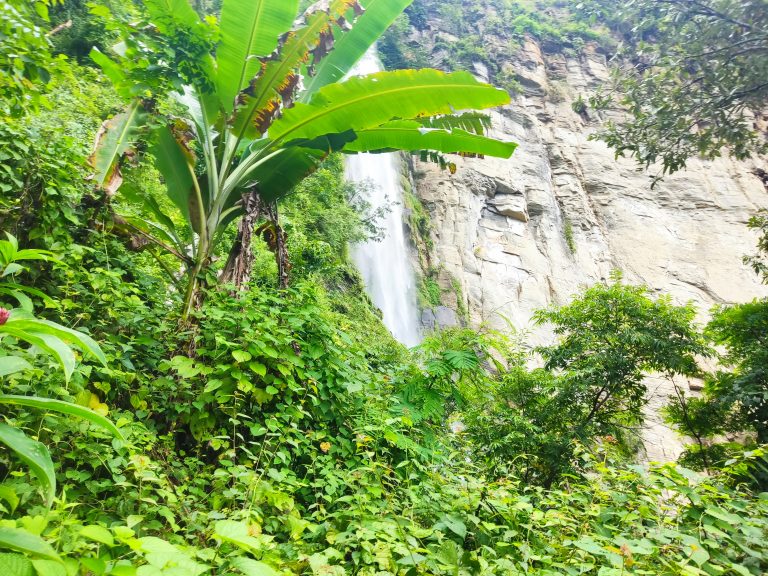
(280, 429)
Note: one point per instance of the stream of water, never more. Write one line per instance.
(384, 265)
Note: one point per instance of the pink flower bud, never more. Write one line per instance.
(4, 315)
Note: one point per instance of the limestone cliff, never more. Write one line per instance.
(511, 236)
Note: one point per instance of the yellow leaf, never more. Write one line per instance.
(97, 406)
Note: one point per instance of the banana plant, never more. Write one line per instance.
(266, 98)
(21, 325)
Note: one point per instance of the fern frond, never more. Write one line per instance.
(412, 391)
(433, 404)
(461, 359)
(438, 367)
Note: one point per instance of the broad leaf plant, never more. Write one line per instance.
(22, 326)
(266, 97)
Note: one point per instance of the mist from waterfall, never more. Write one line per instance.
(384, 264)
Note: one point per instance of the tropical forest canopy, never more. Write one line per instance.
(194, 382)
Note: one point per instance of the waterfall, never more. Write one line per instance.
(384, 265)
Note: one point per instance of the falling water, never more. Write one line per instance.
(384, 265)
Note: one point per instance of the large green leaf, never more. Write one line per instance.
(148, 204)
(68, 408)
(260, 101)
(98, 533)
(475, 122)
(278, 177)
(237, 533)
(52, 338)
(10, 256)
(12, 364)
(15, 565)
(350, 47)
(8, 495)
(411, 135)
(163, 224)
(249, 30)
(79, 339)
(251, 567)
(8, 249)
(164, 558)
(110, 69)
(23, 541)
(14, 289)
(177, 167)
(156, 234)
(34, 255)
(116, 136)
(46, 342)
(370, 101)
(45, 567)
(36, 456)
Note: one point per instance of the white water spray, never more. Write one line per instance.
(384, 265)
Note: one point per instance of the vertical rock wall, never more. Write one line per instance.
(511, 236)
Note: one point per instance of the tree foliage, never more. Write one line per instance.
(692, 74)
(759, 261)
(592, 387)
(25, 57)
(742, 330)
(733, 402)
(611, 337)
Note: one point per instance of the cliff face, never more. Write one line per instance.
(511, 236)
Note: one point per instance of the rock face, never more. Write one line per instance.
(439, 317)
(516, 235)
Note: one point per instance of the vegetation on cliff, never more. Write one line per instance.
(689, 74)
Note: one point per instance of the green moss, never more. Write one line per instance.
(418, 217)
(397, 52)
(461, 308)
(509, 82)
(430, 293)
(568, 234)
(556, 92)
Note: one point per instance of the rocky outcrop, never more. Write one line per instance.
(439, 318)
(524, 233)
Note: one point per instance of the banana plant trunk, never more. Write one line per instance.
(193, 298)
(239, 265)
(277, 243)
